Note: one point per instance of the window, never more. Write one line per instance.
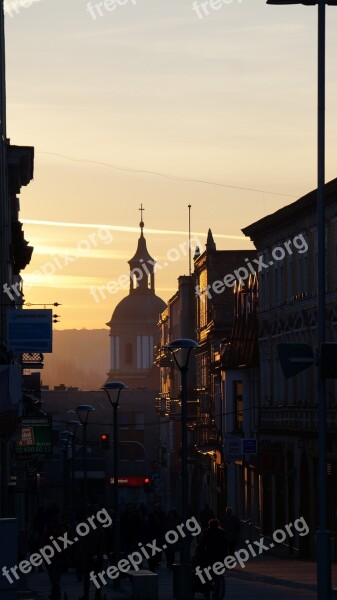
(128, 353)
(203, 299)
(289, 279)
(124, 452)
(123, 420)
(202, 370)
(279, 284)
(139, 420)
(114, 352)
(144, 351)
(238, 404)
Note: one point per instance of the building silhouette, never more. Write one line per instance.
(133, 325)
(286, 241)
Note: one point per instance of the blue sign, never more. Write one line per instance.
(249, 446)
(29, 330)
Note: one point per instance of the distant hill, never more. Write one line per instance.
(80, 358)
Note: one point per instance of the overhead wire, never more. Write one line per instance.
(163, 175)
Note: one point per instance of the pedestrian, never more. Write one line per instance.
(91, 556)
(211, 550)
(54, 529)
(172, 521)
(231, 526)
(156, 530)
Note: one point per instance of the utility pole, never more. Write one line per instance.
(5, 220)
(5, 239)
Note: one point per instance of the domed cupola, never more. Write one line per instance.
(133, 325)
(142, 266)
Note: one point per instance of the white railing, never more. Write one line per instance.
(296, 418)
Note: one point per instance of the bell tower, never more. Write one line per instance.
(133, 325)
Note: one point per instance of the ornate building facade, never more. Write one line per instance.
(286, 242)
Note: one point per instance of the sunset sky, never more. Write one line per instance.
(151, 104)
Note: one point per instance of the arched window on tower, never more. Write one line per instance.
(128, 353)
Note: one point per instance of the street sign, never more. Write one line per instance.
(295, 358)
(29, 330)
(249, 446)
(35, 436)
(232, 448)
(128, 481)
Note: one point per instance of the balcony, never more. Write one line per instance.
(295, 418)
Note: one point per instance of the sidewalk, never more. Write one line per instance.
(292, 573)
(39, 587)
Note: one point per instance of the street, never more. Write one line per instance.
(239, 584)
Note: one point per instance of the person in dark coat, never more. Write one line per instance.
(91, 553)
(231, 525)
(156, 530)
(54, 528)
(172, 521)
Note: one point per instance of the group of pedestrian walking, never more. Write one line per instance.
(138, 525)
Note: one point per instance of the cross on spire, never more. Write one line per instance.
(141, 218)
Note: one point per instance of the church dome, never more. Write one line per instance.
(138, 308)
(134, 331)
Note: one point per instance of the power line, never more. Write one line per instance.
(177, 418)
(163, 175)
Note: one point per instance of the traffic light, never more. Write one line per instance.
(147, 485)
(105, 441)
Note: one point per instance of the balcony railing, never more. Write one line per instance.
(296, 418)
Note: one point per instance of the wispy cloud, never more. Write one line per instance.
(77, 282)
(124, 228)
(81, 253)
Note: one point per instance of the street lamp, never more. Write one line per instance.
(110, 387)
(64, 443)
(323, 536)
(72, 426)
(187, 345)
(83, 411)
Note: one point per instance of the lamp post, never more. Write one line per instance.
(83, 411)
(188, 345)
(110, 387)
(323, 536)
(72, 426)
(64, 443)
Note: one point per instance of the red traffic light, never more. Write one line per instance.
(105, 441)
(147, 485)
